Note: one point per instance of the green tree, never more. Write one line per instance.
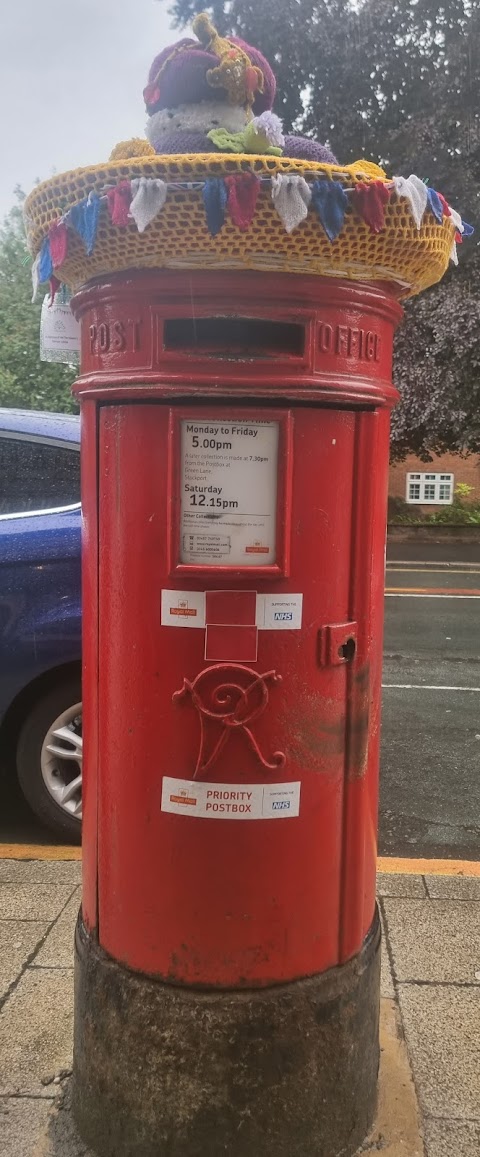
(25, 381)
(397, 81)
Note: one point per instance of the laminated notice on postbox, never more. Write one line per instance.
(228, 495)
(231, 801)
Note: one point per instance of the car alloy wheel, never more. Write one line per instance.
(61, 761)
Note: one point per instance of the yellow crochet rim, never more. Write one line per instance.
(178, 238)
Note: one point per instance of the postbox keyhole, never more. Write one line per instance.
(347, 650)
(337, 644)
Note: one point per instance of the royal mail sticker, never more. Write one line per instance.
(231, 801)
(183, 608)
(279, 612)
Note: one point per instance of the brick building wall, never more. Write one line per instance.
(463, 470)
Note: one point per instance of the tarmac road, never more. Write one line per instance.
(430, 785)
(430, 782)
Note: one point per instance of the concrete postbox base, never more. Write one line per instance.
(166, 1071)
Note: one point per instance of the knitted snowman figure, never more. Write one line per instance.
(216, 94)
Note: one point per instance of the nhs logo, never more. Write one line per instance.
(283, 617)
(281, 805)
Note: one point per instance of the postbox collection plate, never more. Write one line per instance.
(231, 480)
(228, 492)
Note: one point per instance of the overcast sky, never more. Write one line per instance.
(72, 74)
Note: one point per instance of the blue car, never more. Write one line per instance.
(40, 613)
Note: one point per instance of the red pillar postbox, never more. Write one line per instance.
(235, 395)
(233, 588)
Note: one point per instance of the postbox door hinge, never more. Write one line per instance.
(337, 644)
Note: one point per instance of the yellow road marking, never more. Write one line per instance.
(39, 852)
(388, 864)
(393, 864)
(428, 570)
(432, 590)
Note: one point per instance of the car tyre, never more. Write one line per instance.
(39, 772)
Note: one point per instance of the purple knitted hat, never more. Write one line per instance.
(212, 68)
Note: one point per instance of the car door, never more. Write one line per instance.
(40, 611)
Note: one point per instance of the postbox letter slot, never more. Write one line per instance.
(234, 337)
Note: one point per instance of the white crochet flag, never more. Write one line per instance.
(459, 226)
(150, 194)
(35, 278)
(291, 196)
(457, 220)
(416, 193)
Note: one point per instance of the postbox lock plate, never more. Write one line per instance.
(337, 644)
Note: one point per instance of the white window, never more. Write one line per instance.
(433, 489)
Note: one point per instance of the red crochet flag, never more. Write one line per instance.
(119, 200)
(58, 238)
(369, 201)
(243, 190)
(446, 207)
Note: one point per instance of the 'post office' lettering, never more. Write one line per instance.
(115, 336)
(345, 341)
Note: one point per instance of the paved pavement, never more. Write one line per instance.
(430, 1012)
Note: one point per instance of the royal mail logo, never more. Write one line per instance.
(184, 611)
(257, 548)
(184, 799)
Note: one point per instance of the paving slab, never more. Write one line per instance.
(453, 887)
(33, 901)
(22, 1120)
(57, 951)
(18, 939)
(437, 940)
(452, 1139)
(434, 941)
(36, 1028)
(396, 884)
(40, 872)
(442, 1029)
(59, 1137)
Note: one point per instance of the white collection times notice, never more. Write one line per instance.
(229, 493)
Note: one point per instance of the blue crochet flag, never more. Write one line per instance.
(45, 265)
(215, 201)
(435, 204)
(331, 202)
(467, 229)
(75, 218)
(90, 216)
(83, 218)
